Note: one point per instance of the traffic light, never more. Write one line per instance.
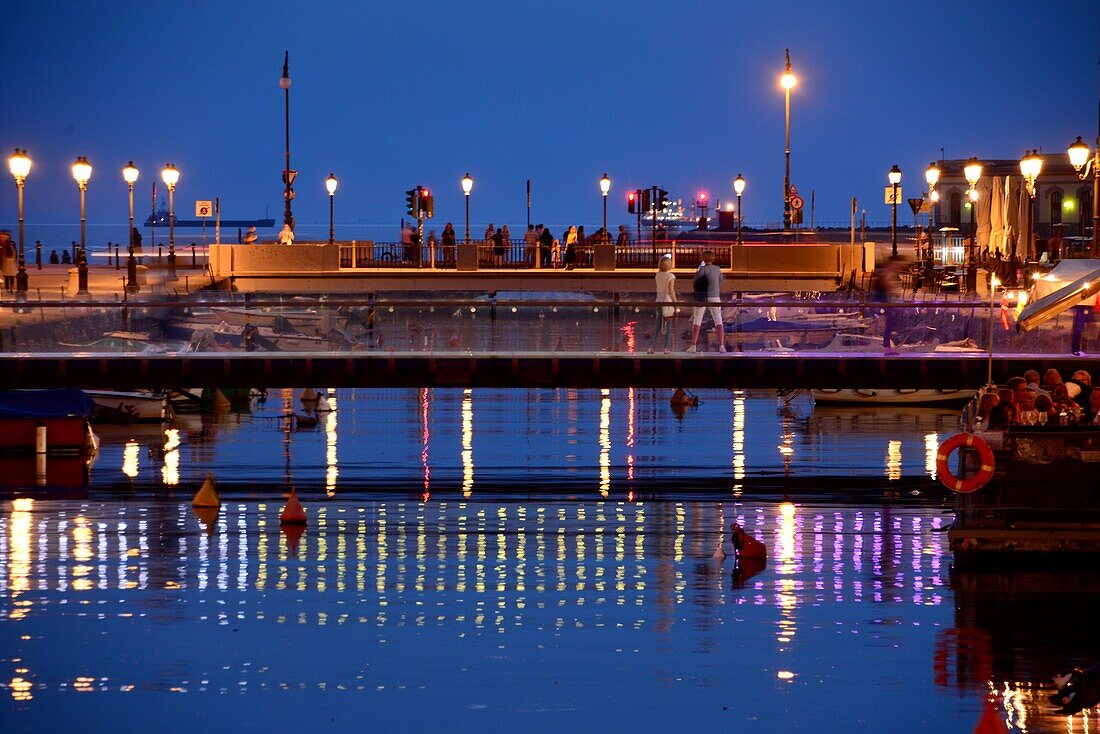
(411, 202)
(662, 200)
(646, 206)
(427, 203)
(631, 204)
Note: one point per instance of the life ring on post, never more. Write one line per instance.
(985, 455)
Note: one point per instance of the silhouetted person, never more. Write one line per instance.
(65, 259)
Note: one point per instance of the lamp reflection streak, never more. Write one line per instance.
(332, 470)
(467, 443)
(605, 442)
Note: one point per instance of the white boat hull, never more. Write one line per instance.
(129, 407)
(892, 397)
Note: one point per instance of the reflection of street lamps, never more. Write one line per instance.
(330, 184)
(787, 81)
(467, 187)
(82, 171)
(20, 165)
(894, 177)
(739, 188)
(932, 177)
(1081, 160)
(130, 176)
(1031, 165)
(605, 187)
(171, 175)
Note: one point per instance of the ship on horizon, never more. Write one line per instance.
(160, 219)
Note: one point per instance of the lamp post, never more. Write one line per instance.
(330, 185)
(1082, 160)
(82, 171)
(739, 188)
(894, 177)
(605, 187)
(288, 175)
(932, 177)
(1031, 165)
(171, 175)
(130, 176)
(787, 81)
(993, 283)
(467, 187)
(20, 165)
(972, 171)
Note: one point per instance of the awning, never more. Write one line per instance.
(1081, 292)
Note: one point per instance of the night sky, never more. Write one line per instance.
(390, 95)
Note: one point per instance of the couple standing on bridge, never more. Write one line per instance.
(706, 289)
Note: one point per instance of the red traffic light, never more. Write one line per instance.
(702, 196)
(630, 196)
(425, 193)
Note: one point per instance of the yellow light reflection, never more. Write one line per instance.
(331, 470)
(425, 434)
(931, 448)
(467, 443)
(21, 689)
(893, 460)
(19, 556)
(130, 459)
(738, 445)
(170, 472)
(605, 443)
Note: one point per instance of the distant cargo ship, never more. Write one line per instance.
(160, 219)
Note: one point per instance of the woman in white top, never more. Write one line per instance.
(666, 293)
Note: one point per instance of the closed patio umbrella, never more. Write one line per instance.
(997, 215)
(985, 191)
(1012, 213)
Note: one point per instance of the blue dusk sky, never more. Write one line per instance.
(390, 95)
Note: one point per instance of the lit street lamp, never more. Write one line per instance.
(330, 184)
(20, 166)
(972, 171)
(1031, 165)
(739, 188)
(605, 187)
(787, 81)
(171, 176)
(467, 187)
(894, 177)
(82, 171)
(932, 177)
(130, 176)
(1082, 160)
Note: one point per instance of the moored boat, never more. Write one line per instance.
(125, 407)
(46, 421)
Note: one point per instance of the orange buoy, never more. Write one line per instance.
(207, 496)
(985, 455)
(990, 722)
(746, 545)
(293, 513)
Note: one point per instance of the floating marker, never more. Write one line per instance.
(208, 516)
(293, 513)
(746, 545)
(207, 496)
(293, 533)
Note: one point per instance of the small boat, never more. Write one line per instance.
(892, 397)
(62, 415)
(139, 406)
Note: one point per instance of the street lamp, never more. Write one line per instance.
(82, 171)
(739, 188)
(787, 81)
(171, 176)
(20, 165)
(1031, 165)
(130, 176)
(972, 171)
(1079, 156)
(467, 187)
(894, 177)
(330, 185)
(932, 177)
(605, 187)
(288, 175)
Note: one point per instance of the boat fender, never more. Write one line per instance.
(985, 455)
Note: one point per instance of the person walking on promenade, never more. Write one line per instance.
(498, 247)
(530, 246)
(570, 248)
(666, 293)
(706, 288)
(8, 260)
(490, 233)
(582, 243)
(448, 243)
(546, 245)
(250, 236)
(884, 284)
(506, 238)
(624, 238)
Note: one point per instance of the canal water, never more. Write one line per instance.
(543, 560)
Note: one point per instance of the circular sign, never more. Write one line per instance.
(796, 202)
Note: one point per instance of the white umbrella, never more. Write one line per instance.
(1012, 213)
(997, 215)
(1026, 247)
(985, 190)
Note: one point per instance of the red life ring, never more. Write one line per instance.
(985, 455)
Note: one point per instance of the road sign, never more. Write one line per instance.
(796, 202)
(204, 208)
(890, 195)
(915, 205)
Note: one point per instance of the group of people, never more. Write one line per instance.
(1029, 400)
(706, 294)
